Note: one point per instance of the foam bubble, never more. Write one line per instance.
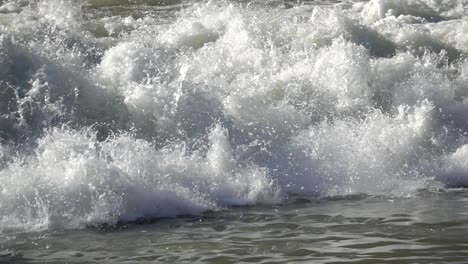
(72, 181)
(455, 167)
(225, 105)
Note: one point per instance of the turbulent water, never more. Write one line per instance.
(116, 112)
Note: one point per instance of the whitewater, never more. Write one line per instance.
(113, 112)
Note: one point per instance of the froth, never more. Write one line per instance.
(226, 105)
(72, 181)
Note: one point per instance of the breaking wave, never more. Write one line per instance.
(181, 108)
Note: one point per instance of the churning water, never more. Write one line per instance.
(236, 131)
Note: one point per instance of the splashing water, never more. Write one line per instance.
(107, 117)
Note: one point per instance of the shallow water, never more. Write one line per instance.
(233, 131)
(427, 228)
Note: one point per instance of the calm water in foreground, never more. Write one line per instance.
(429, 228)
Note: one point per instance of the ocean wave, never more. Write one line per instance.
(113, 118)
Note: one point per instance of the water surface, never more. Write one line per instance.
(233, 131)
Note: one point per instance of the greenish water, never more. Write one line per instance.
(428, 228)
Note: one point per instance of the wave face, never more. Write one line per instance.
(109, 116)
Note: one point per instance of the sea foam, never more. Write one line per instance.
(107, 118)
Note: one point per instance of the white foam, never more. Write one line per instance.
(225, 105)
(375, 10)
(10, 7)
(453, 33)
(73, 181)
(455, 167)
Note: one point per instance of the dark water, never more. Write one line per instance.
(427, 228)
